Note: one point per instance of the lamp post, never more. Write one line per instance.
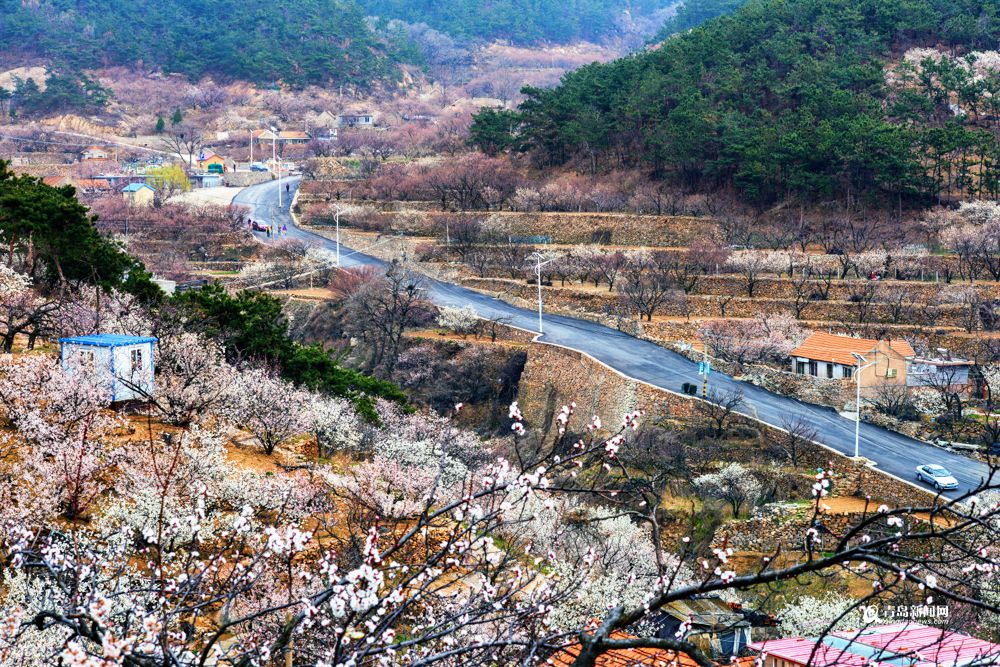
(857, 404)
(274, 159)
(537, 257)
(336, 217)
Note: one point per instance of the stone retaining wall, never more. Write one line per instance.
(244, 179)
(554, 376)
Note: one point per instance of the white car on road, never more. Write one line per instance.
(937, 476)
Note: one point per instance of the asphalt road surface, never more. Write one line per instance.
(893, 453)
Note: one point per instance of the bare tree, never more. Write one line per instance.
(797, 435)
(718, 409)
(892, 399)
(380, 312)
(645, 285)
(185, 140)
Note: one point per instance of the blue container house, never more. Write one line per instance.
(123, 364)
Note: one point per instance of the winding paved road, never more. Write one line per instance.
(893, 453)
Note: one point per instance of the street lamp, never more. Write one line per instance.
(336, 217)
(537, 257)
(274, 161)
(857, 404)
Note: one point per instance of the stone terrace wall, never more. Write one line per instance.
(701, 307)
(626, 229)
(554, 376)
(840, 290)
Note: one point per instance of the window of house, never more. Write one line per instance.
(847, 371)
(136, 358)
(829, 371)
(813, 368)
(85, 358)
(890, 373)
(800, 367)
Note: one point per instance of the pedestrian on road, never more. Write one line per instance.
(286, 188)
(284, 229)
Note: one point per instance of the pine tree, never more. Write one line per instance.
(160, 125)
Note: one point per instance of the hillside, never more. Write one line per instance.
(692, 13)
(314, 41)
(808, 99)
(519, 21)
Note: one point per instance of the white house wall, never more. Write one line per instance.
(125, 380)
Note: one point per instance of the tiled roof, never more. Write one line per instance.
(837, 349)
(631, 657)
(292, 134)
(897, 645)
(929, 647)
(93, 183)
(799, 650)
(135, 187)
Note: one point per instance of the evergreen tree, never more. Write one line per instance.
(160, 125)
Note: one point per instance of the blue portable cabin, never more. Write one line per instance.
(123, 364)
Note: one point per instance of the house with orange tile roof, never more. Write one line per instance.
(93, 153)
(82, 185)
(832, 357)
(625, 657)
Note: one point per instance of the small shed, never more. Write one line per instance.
(139, 194)
(123, 364)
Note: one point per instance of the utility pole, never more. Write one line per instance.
(251, 150)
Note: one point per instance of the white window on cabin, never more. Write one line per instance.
(136, 358)
(85, 359)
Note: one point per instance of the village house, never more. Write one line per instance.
(121, 364)
(293, 137)
(139, 194)
(941, 371)
(281, 137)
(900, 644)
(357, 120)
(832, 357)
(93, 153)
(207, 158)
(81, 185)
(717, 627)
(630, 657)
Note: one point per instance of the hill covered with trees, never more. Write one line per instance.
(520, 21)
(311, 41)
(692, 13)
(812, 99)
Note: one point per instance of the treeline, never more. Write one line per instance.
(311, 41)
(785, 99)
(693, 13)
(61, 92)
(520, 21)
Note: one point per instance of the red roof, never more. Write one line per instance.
(927, 646)
(837, 349)
(930, 646)
(799, 649)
